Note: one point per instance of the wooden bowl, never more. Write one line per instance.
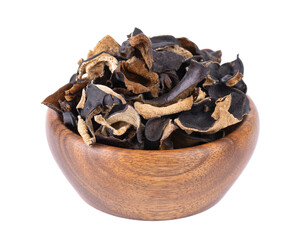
(152, 184)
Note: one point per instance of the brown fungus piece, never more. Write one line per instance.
(77, 86)
(138, 78)
(118, 130)
(53, 100)
(148, 111)
(82, 129)
(94, 66)
(207, 54)
(143, 44)
(106, 44)
(189, 45)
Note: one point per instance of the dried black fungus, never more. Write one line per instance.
(163, 41)
(196, 73)
(166, 61)
(152, 93)
(154, 128)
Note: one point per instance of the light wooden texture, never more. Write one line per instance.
(152, 185)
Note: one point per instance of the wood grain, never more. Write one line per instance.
(152, 185)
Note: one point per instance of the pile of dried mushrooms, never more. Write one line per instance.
(152, 93)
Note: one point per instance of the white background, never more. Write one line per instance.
(41, 43)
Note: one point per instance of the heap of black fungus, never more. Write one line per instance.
(152, 93)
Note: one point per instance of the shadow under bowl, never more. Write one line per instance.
(152, 184)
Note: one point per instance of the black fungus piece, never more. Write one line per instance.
(70, 120)
(199, 117)
(184, 66)
(166, 61)
(94, 98)
(126, 51)
(218, 90)
(239, 105)
(181, 139)
(195, 74)
(154, 128)
(135, 32)
(117, 142)
(228, 73)
(73, 78)
(163, 41)
(241, 86)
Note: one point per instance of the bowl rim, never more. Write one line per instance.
(247, 121)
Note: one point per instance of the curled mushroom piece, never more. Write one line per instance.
(76, 88)
(94, 66)
(98, 99)
(82, 129)
(207, 54)
(143, 44)
(152, 93)
(195, 74)
(106, 44)
(119, 122)
(166, 143)
(53, 100)
(198, 119)
(154, 128)
(228, 73)
(138, 78)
